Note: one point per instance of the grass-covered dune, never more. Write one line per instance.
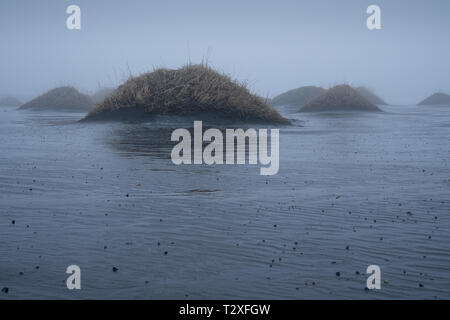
(297, 97)
(369, 95)
(436, 99)
(190, 90)
(339, 98)
(9, 101)
(66, 99)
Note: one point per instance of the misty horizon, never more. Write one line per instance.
(273, 46)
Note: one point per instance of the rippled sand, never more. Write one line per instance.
(352, 191)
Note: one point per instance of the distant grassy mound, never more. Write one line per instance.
(369, 95)
(297, 97)
(340, 98)
(191, 90)
(437, 98)
(61, 99)
(101, 94)
(9, 101)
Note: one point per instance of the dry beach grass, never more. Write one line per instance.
(436, 99)
(189, 90)
(340, 98)
(61, 99)
(297, 97)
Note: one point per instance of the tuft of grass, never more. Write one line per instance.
(439, 98)
(61, 99)
(340, 98)
(297, 97)
(189, 90)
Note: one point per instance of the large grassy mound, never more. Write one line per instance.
(191, 90)
(9, 101)
(437, 98)
(369, 95)
(340, 98)
(61, 99)
(297, 97)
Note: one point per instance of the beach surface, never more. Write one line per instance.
(353, 190)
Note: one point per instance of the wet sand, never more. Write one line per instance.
(352, 191)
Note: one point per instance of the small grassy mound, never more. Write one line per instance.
(340, 98)
(436, 99)
(66, 99)
(369, 95)
(297, 97)
(191, 90)
(9, 101)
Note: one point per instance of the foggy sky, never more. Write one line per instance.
(276, 45)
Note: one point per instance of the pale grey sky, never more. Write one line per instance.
(277, 45)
